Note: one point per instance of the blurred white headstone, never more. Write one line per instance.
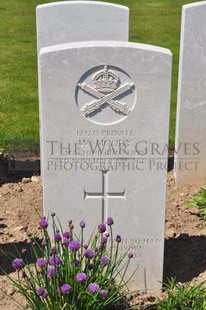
(190, 148)
(75, 21)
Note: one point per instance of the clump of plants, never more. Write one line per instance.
(70, 274)
(183, 297)
(199, 201)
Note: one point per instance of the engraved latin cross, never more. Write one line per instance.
(104, 195)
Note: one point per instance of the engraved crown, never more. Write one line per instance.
(106, 80)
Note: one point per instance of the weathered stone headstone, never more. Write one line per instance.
(190, 157)
(74, 21)
(100, 104)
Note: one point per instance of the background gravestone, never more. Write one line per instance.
(73, 21)
(190, 160)
(100, 104)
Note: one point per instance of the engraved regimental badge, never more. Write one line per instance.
(105, 95)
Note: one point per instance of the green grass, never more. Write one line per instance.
(183, 297)
(199, 201)
(155, 22)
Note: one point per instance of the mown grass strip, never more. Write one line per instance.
(155, 22)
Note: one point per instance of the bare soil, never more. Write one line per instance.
(185, 235)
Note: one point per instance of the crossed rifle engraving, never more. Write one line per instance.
(114, 104)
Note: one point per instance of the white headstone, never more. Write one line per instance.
(100, 106)
(190, 157)
(74, 21)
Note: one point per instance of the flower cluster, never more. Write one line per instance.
(67, 268)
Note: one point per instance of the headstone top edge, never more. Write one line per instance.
(90, 3)
(86, 44)
(193, 5)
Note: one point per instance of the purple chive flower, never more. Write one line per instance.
(81, 277)
(41, 262)
(29, 241)
(103, 294)
(90, 266)
(66, 288)
(93, 287)
(110, 221)
(102, 228)
(96, 250)
(43, 243)
(65, 241)
(130, 255)
(25, 227)
(71, 226)
(51, 270)
(57, 237)
(53, 250)
(82, 224)
(42, 292)
(17, 263)
(43, 223)
(74, 245)
(104, 260)
(67, 234)
(89, 253)
(76, 263)
(118, 238)
(55, 260)
(104, 239)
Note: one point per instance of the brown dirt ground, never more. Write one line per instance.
(185, 235)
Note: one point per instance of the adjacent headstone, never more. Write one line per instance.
(100, 104)
(190, 148)
(74, 21)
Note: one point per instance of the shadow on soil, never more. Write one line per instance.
(10, 251)
(12, 171)
(185, 257)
